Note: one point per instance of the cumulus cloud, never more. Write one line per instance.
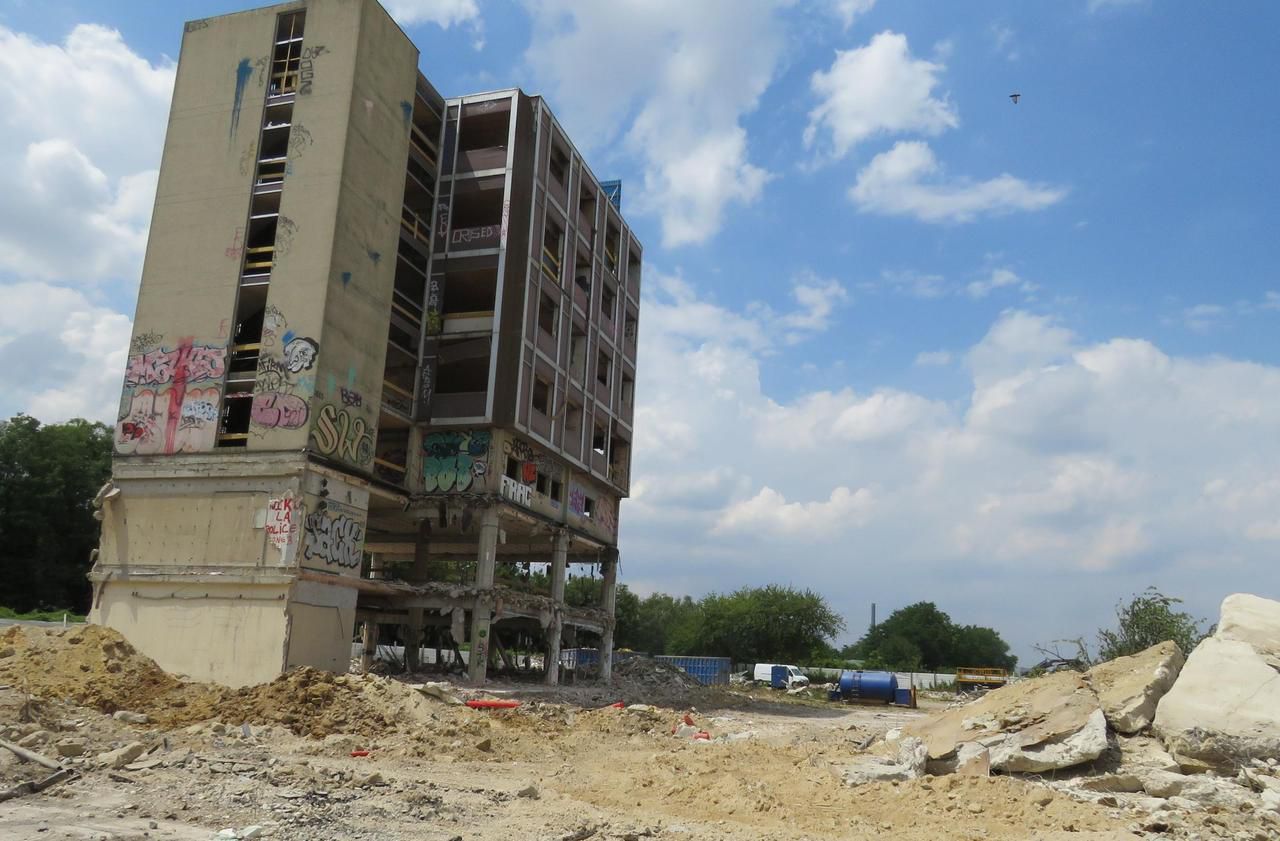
(933, 358)
(1088, 469)
(674, 90)
(442, 13)
(999, 278)
(907, 180)
(850, 10)
(83, 126)
(877, 89)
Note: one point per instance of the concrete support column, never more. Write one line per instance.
(559, 557)
(418, 573)
(486, 558)
(413, 640)
(608, 601)
(369, 637)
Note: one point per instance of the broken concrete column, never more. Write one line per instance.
(608, 602)
(1129, 688)
(413, 640)
(559, 557)
(481, 616)
(369, 644)
(1225, 706)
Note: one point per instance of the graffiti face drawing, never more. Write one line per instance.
(300, 354)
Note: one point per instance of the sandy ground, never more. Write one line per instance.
(559, 767)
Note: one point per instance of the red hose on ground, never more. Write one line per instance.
(491, 704)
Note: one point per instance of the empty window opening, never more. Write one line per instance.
(556, 492)
(470, 293)
(608, 301)
(578, 353)
(619, 457)
(424, 132)
(542, 484)
(250, 312)
(603, 363)
(628, 389)
(552, 248)
(482, 142)
(633, 267)
(582, 272)
(588, 507)
(572, 418)
(234, 426)
(548, 314)
(463, 367)
(542, 396)
(476, 216)
(287, 57)
(599, 438)
(611, 247)
(558, 166)
(587, 211)
(512, 470)
(630, 327)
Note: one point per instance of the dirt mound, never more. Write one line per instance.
(89, 664)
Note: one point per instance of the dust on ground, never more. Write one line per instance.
(313, 755)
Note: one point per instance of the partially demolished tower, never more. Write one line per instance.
(384, 351)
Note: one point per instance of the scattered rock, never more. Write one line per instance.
(973, 760)
(1145, 752)
(371, 779)
(908, 764)
(1224, 708)
(1040, 797)
(529, 791)
(1110, 783)
(71, 746)
(31, 740)
(975, 808)
(439, 691)
(485, 745)
(1129, 688)
(130, 717)
(1030, 726)
(120, 757)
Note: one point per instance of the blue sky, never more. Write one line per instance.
(902, 339)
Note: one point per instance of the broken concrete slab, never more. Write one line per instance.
(908, 763)
(1035, 725)
(1224, 709)
(130, 717)
(120, 757)
(973, 760)
(1129, 688)
(70, 746)
(1145, 752)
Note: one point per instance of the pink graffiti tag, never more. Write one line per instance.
(189, 362)
(278, 411)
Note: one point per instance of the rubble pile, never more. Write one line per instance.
(1148, 731)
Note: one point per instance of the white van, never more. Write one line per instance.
(764, 674)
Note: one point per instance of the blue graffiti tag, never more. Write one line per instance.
(243, 72)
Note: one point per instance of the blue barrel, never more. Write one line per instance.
(868, 686)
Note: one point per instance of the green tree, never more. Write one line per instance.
(920, 636)
(49, 474)
(1149, 619)
(772, 623)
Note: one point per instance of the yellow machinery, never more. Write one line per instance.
(969, 678)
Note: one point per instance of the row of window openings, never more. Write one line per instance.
(545, 485)
(553, 251)
(260, 235)
(549, 315)
(544, 405)
(558, 169)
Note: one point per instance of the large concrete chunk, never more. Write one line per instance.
(1129, 688)
(1031, 726)
(1224, 708)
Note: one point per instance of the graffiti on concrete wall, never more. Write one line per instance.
(454, 460)
(282, 521)
(344, 435)
(333, 538)
(170, 399)
(606, 514)
(285, 379)
(601, 510)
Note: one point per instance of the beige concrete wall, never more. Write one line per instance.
(362, 270)
(305, 230)
(232, 633)
(322, 622)
(333, 530)
(186, 303)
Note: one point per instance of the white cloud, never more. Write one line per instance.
(921, 285)
(850, 10)
(1003, 38)
(676, 80)
(1202, 318)
(874, 90)
(83, 124)
(443, 13)
(818, 298)
(908, 181)
(61, 356)
(1067, 475)
(933, 358)
(1000, 278)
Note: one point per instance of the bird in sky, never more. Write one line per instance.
(1014, 97)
